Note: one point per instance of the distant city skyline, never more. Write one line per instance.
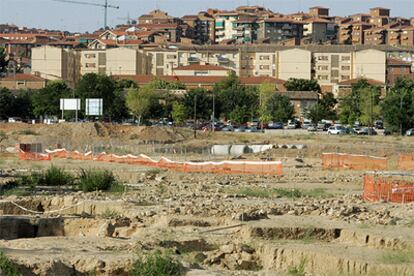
(48, 14)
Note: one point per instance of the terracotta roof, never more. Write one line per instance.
(209, 80)
(354, 81)
(399, 62)
(158, 26)
(22, 77)
(209, 67)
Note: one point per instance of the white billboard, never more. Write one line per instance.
(69, 104)
(94, 107)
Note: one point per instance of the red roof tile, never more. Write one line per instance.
(22, 77)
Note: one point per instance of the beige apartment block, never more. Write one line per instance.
(93, 61)
(369, 64)
(331, 68)
(199, 70)
(123, 61)
(53, 63)
(294, 63)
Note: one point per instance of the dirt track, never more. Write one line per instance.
(215, 224)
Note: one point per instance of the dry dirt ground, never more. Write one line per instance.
(212, 224)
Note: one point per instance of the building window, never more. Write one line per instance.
(323, 67)
(20, 82)
(345, 67)
(264, 58)
(345, 58)
(90, 65)
(323, 58)
(345, 77)
(265, 67)
(322, 77)
(90, 56)
(171, 56)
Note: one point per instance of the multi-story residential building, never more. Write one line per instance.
(319, 11)
(375, 36)
(54, 63)
(93, 61)
(246, 29)
(358, 29)
(331, 67)
(158, 17)
(345, 31)
(316, 29)
(207, 28)
(278, 29)
(379, 12)
(294, 63)
(394, 35)
(407, 36)
(201, 70)
(225, 28)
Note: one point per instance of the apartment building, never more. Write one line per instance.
(277, 29)
(225, 27)
(53, 63)
(331, 67)
(407, 36)
(201, 70)
(375, 36)
(93, 61)
(294, 63)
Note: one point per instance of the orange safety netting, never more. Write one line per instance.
(353, 162)
(406, 161)
(388, 189)
(225, 167)
(33, 156)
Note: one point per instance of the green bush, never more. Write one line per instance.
(7, 268)
(157, 264)
(55, 176)
(90, 180)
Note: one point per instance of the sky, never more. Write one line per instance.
(49, 14)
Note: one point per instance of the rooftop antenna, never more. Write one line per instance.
(106, 6)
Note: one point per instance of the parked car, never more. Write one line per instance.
(240, 129)
(336, 130)
(410, 132)
(323, 126)
(366, 131)
(379, 124)
(387, 132)
(312, 128)
(275, 125)
(253, 129)
(228, 128)
(306, 124)
(293, 124)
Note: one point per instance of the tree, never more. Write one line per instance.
(316, 113)
(369, 105)
(6, 103)
(398, 106)
(231, 95)
(3, 61)
(294, 84)
(203, 100)
(98, 86)
(178, 113)
(22, 104)
(266, 91)
(139, 101)
(280, 107)
(350, 108)
(46, 101)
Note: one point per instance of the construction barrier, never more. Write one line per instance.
(223, 167)
(353, 162)
(388, 188)
(34, 156)
(406, 162)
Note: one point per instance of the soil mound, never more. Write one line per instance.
(159, 134)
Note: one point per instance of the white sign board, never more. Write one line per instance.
(69, 104)
(94, 107)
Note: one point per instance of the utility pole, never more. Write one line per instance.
(195, 116)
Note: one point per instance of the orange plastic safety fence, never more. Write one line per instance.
(33, 156)
(353, 162)
(388, 189)
(225, 167)
(406, 161)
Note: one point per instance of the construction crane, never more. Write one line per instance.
(106, 6)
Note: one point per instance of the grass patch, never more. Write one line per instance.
(16, 192)
(287, 193)
(7, 267)
(90, 181)
(110, 214)
(398, 257)
(55, 176)
(298, 270)
(157, 264)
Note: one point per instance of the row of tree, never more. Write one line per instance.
(228, 99)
